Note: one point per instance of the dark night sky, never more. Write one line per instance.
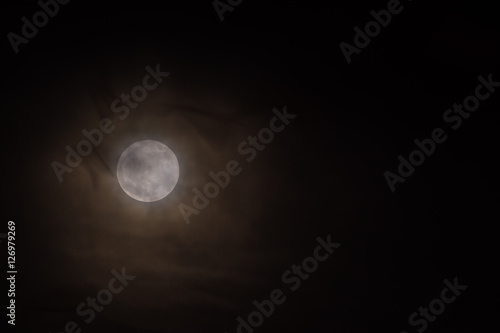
(323, 175)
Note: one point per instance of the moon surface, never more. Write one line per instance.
(147, 170)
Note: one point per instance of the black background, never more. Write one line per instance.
(396, 247)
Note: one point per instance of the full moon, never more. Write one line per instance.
(148, 170)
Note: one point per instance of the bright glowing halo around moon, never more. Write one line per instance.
(147, 170)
